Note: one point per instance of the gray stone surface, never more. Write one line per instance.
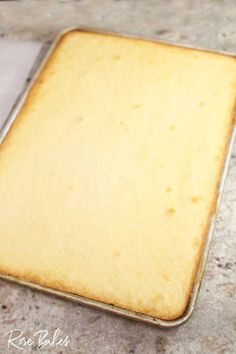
(212, 328)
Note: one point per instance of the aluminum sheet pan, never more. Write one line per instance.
(39, 64)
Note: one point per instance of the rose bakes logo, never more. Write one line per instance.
(39, 340)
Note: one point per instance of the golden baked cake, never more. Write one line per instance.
(109, 175)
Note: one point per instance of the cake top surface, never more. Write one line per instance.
(109, 175)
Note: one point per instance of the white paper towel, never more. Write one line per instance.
(16, 61)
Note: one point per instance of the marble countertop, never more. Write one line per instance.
(212, 327)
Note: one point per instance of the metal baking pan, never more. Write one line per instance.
(45, 53)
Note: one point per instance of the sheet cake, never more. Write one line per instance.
(109, 174)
